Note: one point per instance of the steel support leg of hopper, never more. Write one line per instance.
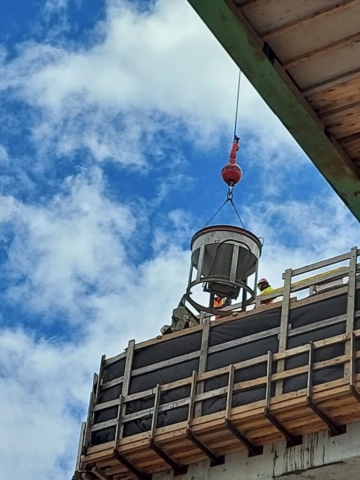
(214, 459)
(177, 467)
(139, 475)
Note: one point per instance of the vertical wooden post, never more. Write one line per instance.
(89, 420)
(202, 361)
(125, 385)
(192, 399)
(81, 445)
(155, 411)
(310, 372)
(119, 420)
(284, 326)
(350, 309)
(100, 379)
(352, 373)
(230, 391)
(268, 380)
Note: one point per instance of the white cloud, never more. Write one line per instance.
(66, 244)
(79, 236)
(4, 157)
(112, 97)
(41, 383)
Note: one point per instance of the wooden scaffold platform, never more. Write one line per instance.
(276, 372)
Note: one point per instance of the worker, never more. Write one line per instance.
(165, 330)
(221, 302)
(265, 288)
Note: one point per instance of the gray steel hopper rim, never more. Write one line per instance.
(228, 228)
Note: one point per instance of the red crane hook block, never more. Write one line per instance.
(232, 173)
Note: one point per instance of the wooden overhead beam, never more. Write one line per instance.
(284, 98)
(311, 17)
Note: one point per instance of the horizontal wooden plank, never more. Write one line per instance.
(335, 97)
(162, 408)
(244, 340)
(321, 264)
(110, 361)
(317, 325)
(164, 388)
(165, 363)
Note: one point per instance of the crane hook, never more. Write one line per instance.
(232, 173)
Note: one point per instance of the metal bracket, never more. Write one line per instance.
(177, 467)
(214, 459)
(291, 439)
(100, 475)
(269, 52)
(84, 475)
(334, 428)
(354, 393)
(77, 475)
(253, 449)
(139, 475)
(353, 390)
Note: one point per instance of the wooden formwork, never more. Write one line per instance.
(280, 415)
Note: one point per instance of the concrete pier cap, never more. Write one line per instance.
(319, 457)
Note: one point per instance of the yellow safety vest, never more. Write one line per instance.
(266, 292)
(219, 303)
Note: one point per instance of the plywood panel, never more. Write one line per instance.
(266, 15)
(345, 127)
(316, 34)
(336, 97)
(327, 66)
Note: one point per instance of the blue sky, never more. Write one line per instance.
(116, 119)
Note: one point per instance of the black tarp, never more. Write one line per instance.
(250, 348)
(114, 370)
(159, 352)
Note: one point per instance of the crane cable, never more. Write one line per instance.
(237, 105)
(229, 197)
